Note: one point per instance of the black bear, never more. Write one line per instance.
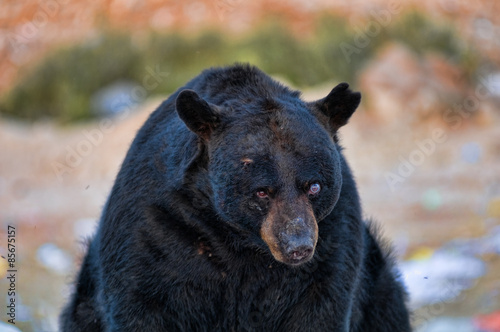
(234, 210)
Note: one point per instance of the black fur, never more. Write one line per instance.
(184, 243)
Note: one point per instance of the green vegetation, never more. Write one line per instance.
(422, 35)
(60, 87)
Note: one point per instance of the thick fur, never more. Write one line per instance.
(179, 245)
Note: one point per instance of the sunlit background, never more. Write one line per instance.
(78, 78)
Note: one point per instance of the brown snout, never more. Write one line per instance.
(291, 240)
(298, 240)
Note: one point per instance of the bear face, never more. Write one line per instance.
(277, 181)
(274, 182)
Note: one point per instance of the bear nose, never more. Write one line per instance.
(299, 249)
(300, 253)
(297, 240)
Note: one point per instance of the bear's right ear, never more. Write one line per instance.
(198, 115)
(338, 106)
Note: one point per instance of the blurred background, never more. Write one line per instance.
(78, 78)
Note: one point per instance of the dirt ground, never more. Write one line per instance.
(424, 184)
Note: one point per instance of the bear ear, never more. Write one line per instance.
(198, 115)
(338, 106)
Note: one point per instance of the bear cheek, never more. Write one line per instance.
(329, 197)
(219, 200)
(267, 233)
(222, 205)
(326, 204)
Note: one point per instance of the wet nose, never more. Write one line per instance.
(300, 253)
(298, 240)
(299, 249)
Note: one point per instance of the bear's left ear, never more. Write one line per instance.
(198, 115)
(338, 106)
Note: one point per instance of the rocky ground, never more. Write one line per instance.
(433, 187)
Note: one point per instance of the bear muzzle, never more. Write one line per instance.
(298, 241)
(291, 240)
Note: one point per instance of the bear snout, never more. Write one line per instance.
(298, 240)
(291, 240)
(299, 251)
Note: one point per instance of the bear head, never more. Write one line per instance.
(273, 164)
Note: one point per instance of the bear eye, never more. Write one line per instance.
(261, 194)
(314, 189)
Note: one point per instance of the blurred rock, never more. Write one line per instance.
(84, 228)
(432, 199)
(54, 258)
(440, 278)
(488, 244)
(117, 98)
(4, 327)
(471, 152)
(493, 84)
(448, 324)
(398, 84)
(23, 312)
